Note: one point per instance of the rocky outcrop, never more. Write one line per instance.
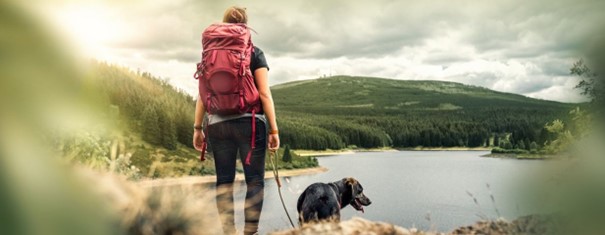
(355, 225)
(533, 224)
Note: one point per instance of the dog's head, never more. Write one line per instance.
(354, 192)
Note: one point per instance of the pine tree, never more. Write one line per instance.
(521, 145)
(507, 145)
(527, 144)
(151, 129)
(533, 146)
(168, 130)
(287, 157)
(497, 140)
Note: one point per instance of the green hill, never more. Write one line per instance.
(340, 111)
(335, 113)
(379, 95)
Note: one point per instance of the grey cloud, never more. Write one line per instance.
(484, 79)
(534, 85)
(529, 29)
(167, 30)
(555, 67)
(338, 29)
(332, 29)
(184, 55)
(446, 58)
(544, 34)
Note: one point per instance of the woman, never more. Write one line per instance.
(232, 134)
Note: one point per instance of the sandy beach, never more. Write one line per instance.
(207, 179)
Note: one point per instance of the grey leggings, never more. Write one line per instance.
(227, 139)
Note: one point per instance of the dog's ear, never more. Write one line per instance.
(351, 182)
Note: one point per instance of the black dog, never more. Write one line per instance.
(322, 201)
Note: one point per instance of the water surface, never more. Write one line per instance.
(422, 189)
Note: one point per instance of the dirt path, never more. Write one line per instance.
(207, 179)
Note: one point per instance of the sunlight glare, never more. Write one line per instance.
(92, 27)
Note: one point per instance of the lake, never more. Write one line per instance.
(428, 190)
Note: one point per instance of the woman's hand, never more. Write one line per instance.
(273, 144)
(198, 139)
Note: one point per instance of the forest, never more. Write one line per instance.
(348, 112)
(360, 112)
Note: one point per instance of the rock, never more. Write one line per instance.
(532, 224)
(356, 225)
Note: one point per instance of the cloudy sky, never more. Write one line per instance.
(524, 47)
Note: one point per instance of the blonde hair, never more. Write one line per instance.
(235, 14)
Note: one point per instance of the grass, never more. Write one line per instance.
(161, 163)
(298, 161)
(520, 154)
(149, 161)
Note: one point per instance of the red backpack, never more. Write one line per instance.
(226, 84)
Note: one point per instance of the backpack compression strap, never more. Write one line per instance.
(205, 140)
(252, 141)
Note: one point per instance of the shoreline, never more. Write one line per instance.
(320, 153)
(446, 149)
(520, 156)
(208, 179)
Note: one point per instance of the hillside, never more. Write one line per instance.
(341, 111)
(154, 122)
(380, 95)
(337, 112)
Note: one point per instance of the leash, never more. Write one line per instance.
(276, 175)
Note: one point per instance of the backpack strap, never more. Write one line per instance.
(205, 140)
(252, 141)
(204, 145)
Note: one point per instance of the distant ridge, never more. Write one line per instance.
(341, 111)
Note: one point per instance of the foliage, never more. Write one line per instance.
(151, 128)
(521, 145)
(335, 112)
(98, 152)
(533, 146)
(509, 151)
(328, 114)
(150, 106)
(287, 156)
(297, 162)
(566, 136)
(588, 84)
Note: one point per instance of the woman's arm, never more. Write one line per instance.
(198, 135)
(199, 111)
(262, 83)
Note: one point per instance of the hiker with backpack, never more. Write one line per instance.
(234, 92)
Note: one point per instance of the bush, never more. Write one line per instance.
(509, 151)
(287, 156)
(296, 162)
(533, 146)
